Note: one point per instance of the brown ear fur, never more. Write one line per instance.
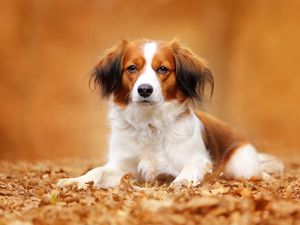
(108, 73)
(191, 72)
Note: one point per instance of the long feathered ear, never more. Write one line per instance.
(108, 72)
(191, 72)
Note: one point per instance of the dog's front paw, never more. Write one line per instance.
(70, 181)
(178, 182)
(146, 171)
(192, 175)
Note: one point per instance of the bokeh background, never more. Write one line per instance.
(48, 48)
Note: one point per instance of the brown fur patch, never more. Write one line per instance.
(132, 55)
(169, 85)
(192, 74)
(220, 139)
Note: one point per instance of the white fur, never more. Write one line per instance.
(244, 163)
(156, 141)
(148, 77)
(151, 140)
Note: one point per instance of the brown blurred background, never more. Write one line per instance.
(47, 49)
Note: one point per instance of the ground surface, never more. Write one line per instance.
(28, 195)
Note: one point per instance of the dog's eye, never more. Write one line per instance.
(132, 69)
(163, 70)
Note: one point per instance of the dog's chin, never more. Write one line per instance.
(146, 103)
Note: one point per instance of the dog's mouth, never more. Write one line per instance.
(146, 102)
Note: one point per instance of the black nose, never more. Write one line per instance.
(145, 90)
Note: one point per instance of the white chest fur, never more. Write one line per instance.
(150, 140)
(163, 139)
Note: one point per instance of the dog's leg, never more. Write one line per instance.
(146, 171)
(103, 177)
(193, 172)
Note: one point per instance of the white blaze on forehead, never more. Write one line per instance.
(149, 51)
(148, 76)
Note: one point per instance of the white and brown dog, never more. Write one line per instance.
(155, 129)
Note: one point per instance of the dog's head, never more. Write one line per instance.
(150, 72)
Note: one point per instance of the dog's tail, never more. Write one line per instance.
(270, 165)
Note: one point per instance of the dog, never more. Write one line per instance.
(154, 88)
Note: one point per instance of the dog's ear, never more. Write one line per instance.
(108, 73)
(191, 72)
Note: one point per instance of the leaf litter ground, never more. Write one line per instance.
(28, 195)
